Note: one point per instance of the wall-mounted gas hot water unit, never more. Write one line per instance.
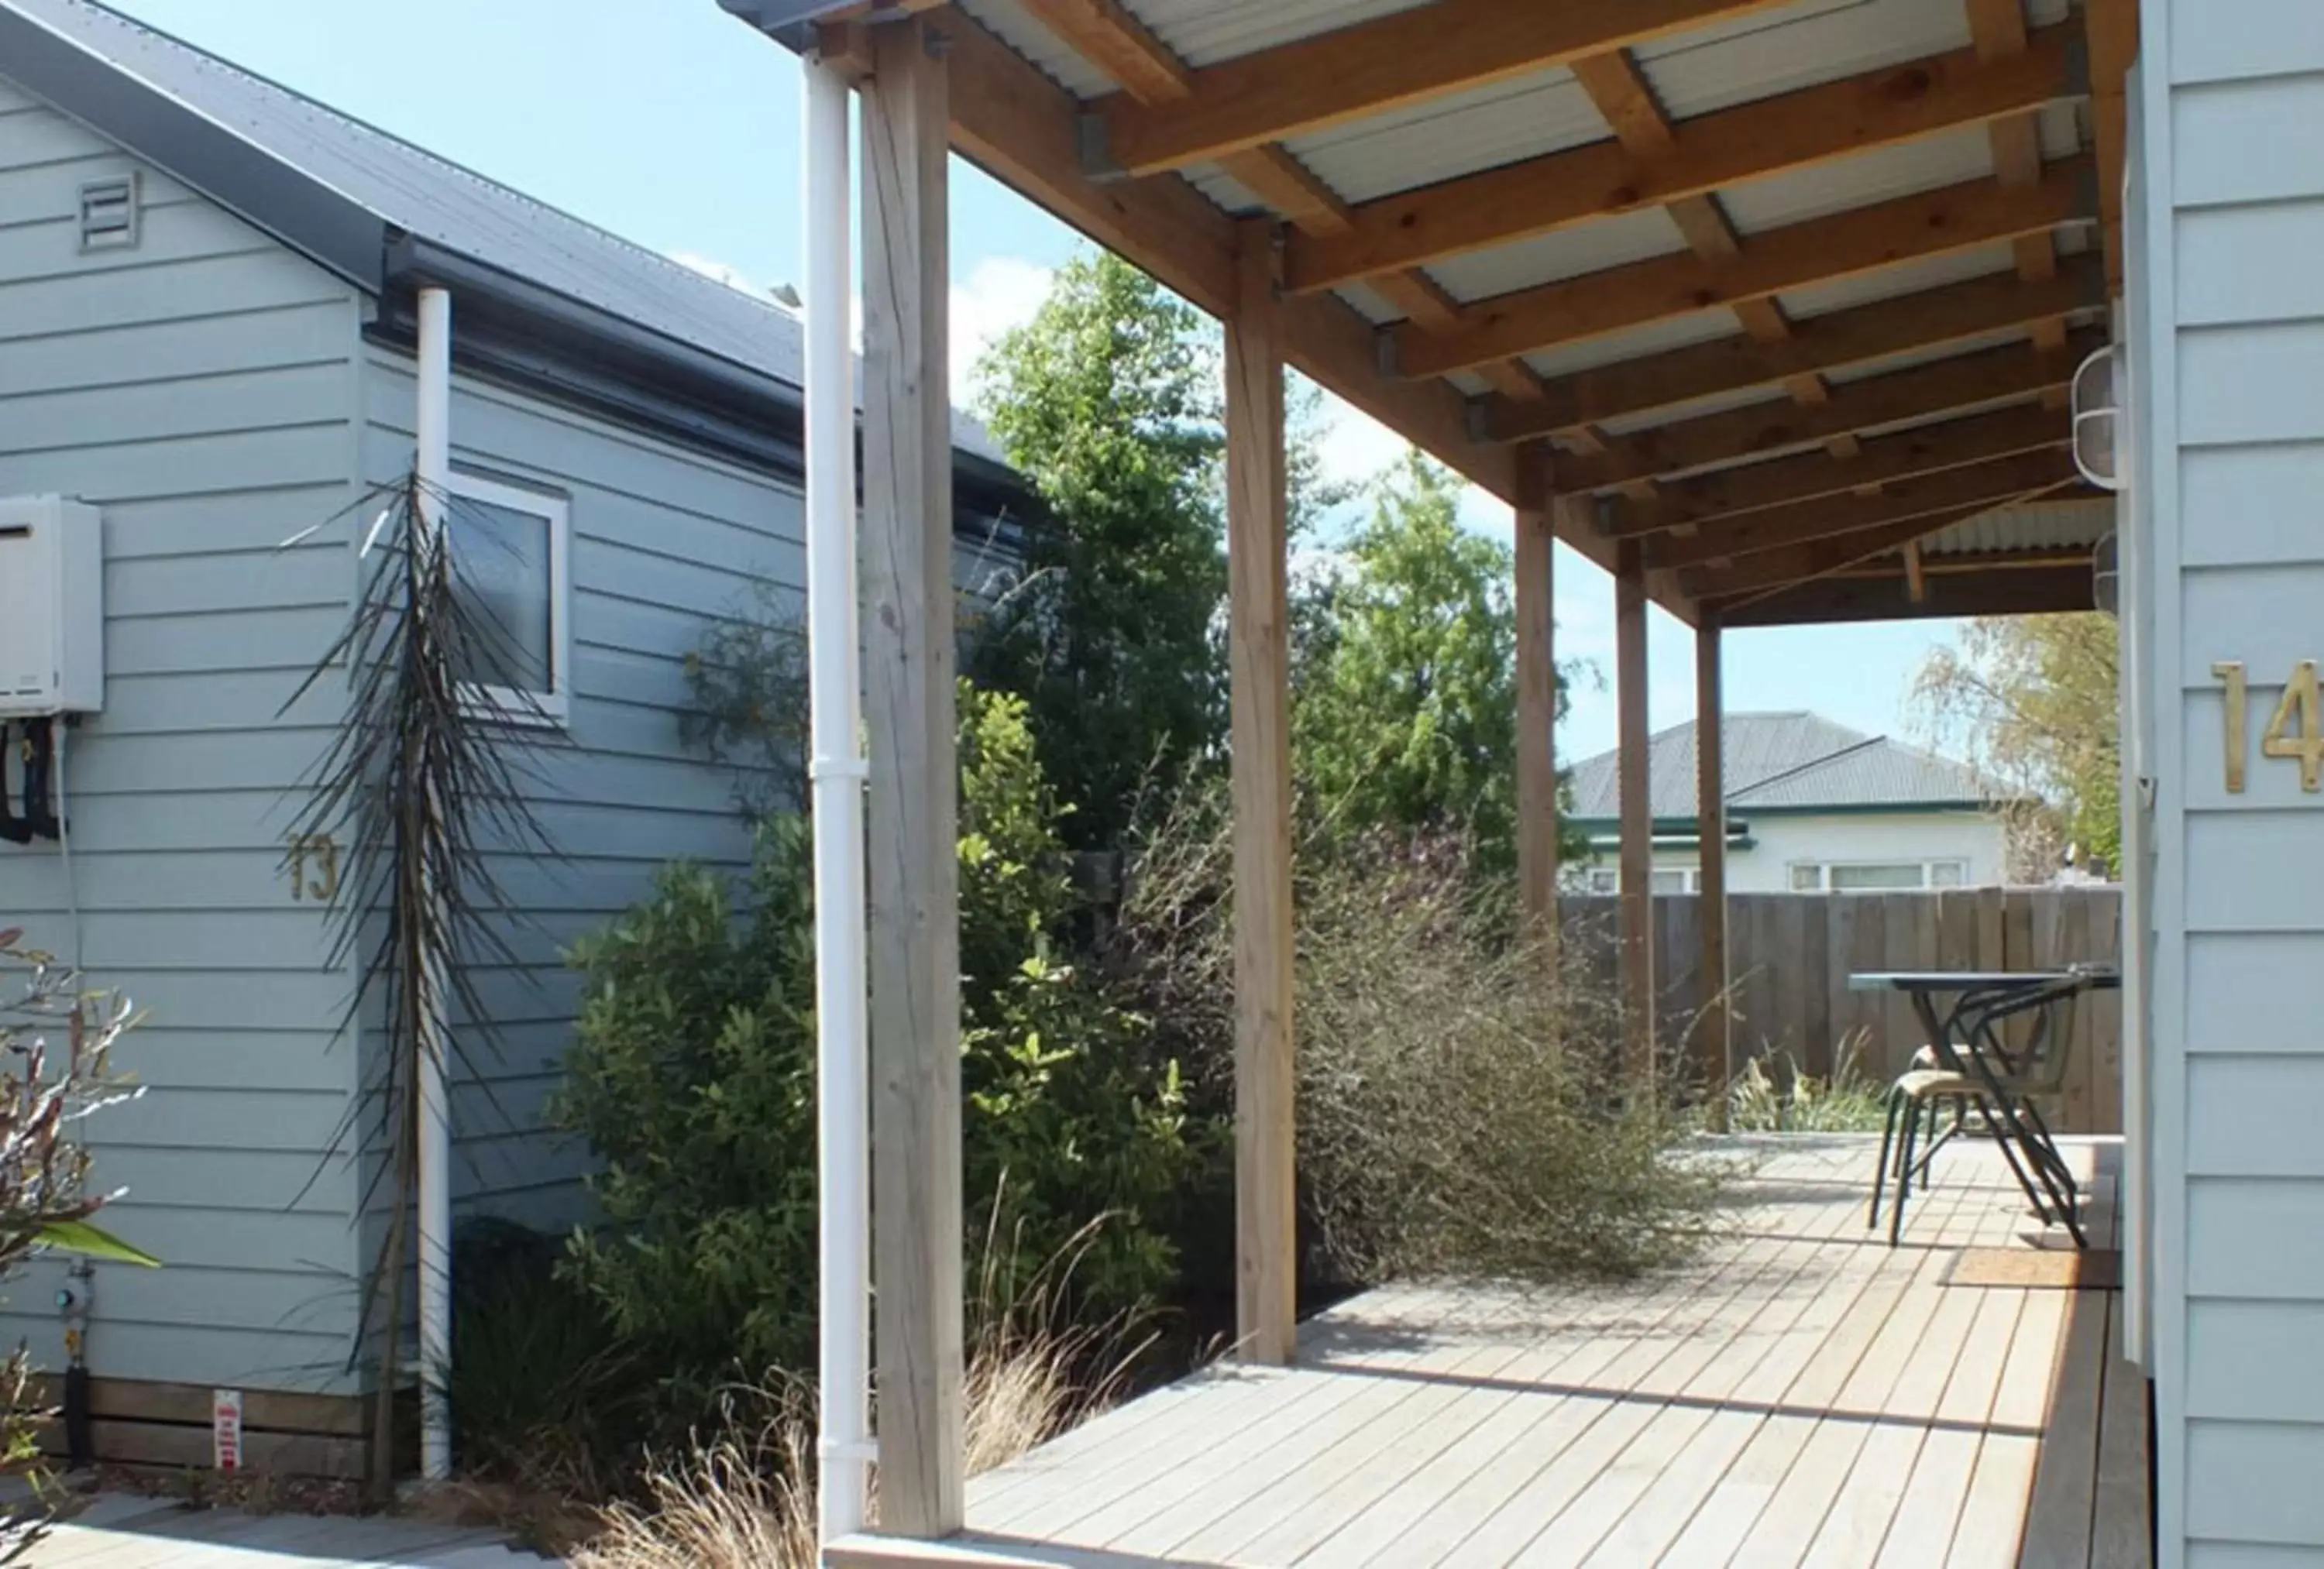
(52, 607)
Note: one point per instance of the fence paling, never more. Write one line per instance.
(1790, 955)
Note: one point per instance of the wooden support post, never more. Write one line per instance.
(1536, 695)
(1716, 1027)
(908, 714)
(1637, 921)
(1267, 1263)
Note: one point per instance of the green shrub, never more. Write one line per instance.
(693, 1081)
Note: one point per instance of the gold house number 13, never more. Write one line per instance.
(2295, 732)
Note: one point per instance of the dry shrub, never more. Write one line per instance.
(1461, 1112)
(744, 1497)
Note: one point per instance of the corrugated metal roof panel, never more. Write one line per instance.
(1593, 247)
(2037, 526)
(1011, 22)
(1678, 332)
(1224, 189)
(1905, 278)
(1884, 174)
(1779, 52)
(1440, 139)
(1369, 304)
(1928, 356)
(1205, 31)
(1742, 398)
(1796, 759)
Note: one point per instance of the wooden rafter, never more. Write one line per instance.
(1623, 95)
(1774, 569)
(1372, 66)
(1104, 33)
(1885, 460)
(1991, 587)
(1797, 256)
(1751, 142)
(1927, 391)
(2112, 30)
(1024, 128)
(1979, 308)
(1998, 29)
(1781, 528)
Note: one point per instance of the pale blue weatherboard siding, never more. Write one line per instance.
(201, 388)
(2235, 150)
(663, 542)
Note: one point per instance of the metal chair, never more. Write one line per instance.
(2002, 1085)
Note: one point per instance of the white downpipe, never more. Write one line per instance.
(843, 1445)
(434, 468)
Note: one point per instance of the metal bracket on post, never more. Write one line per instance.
(1384, 350)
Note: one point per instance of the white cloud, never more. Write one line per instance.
(999, 293)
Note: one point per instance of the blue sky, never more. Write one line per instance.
(672, 125)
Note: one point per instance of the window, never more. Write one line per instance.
(508, 554)
(1667, 880)
(1876, 876)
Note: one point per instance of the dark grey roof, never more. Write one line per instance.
(346, 164)
(1783, 762)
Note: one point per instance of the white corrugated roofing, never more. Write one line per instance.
(2063, 525)
(1774, 50)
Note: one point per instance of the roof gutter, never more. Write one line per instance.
(518, 332)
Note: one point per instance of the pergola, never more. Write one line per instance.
(1768, 307)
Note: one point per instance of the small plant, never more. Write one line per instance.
(1795, 1101)
(56, 1040)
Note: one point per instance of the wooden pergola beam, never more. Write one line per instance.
(1884, 460)
(1779, 527)
(1927, 391)
(1998, 29)
(1768, 570)
(1914, 322)
(2049, 588)
(2111, 28)
(1797, 256)
(1018, 123)
(1728, 147)
(1104, 33)
(1380, 65)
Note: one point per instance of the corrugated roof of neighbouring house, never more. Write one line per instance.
(1794, 762)
(412, 189)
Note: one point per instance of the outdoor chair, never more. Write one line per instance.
(2003, 1087)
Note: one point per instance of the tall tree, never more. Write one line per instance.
(2035, 703)
(1107, 400)
(1405, 711)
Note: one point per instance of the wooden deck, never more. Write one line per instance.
(1804, 1396)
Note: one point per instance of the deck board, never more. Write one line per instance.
(1803, 1394)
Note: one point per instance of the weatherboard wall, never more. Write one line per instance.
(2228, 361)
(201, 390)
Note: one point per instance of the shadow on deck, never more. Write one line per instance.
(1799, 1396)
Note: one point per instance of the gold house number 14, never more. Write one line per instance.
(2295, 732)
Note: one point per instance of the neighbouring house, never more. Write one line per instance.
(207, 336)
(1811, 807)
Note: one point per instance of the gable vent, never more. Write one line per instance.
(108, 214)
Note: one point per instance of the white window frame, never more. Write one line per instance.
(1824, 869)
(513, 705)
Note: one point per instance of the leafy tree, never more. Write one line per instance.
(1107, 400)
(1405, 711)
(2034, 702)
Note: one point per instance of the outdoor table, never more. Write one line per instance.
(1964, 1037)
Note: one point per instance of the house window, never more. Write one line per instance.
(1876, 876)
(1667, 880)
(510, 560)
